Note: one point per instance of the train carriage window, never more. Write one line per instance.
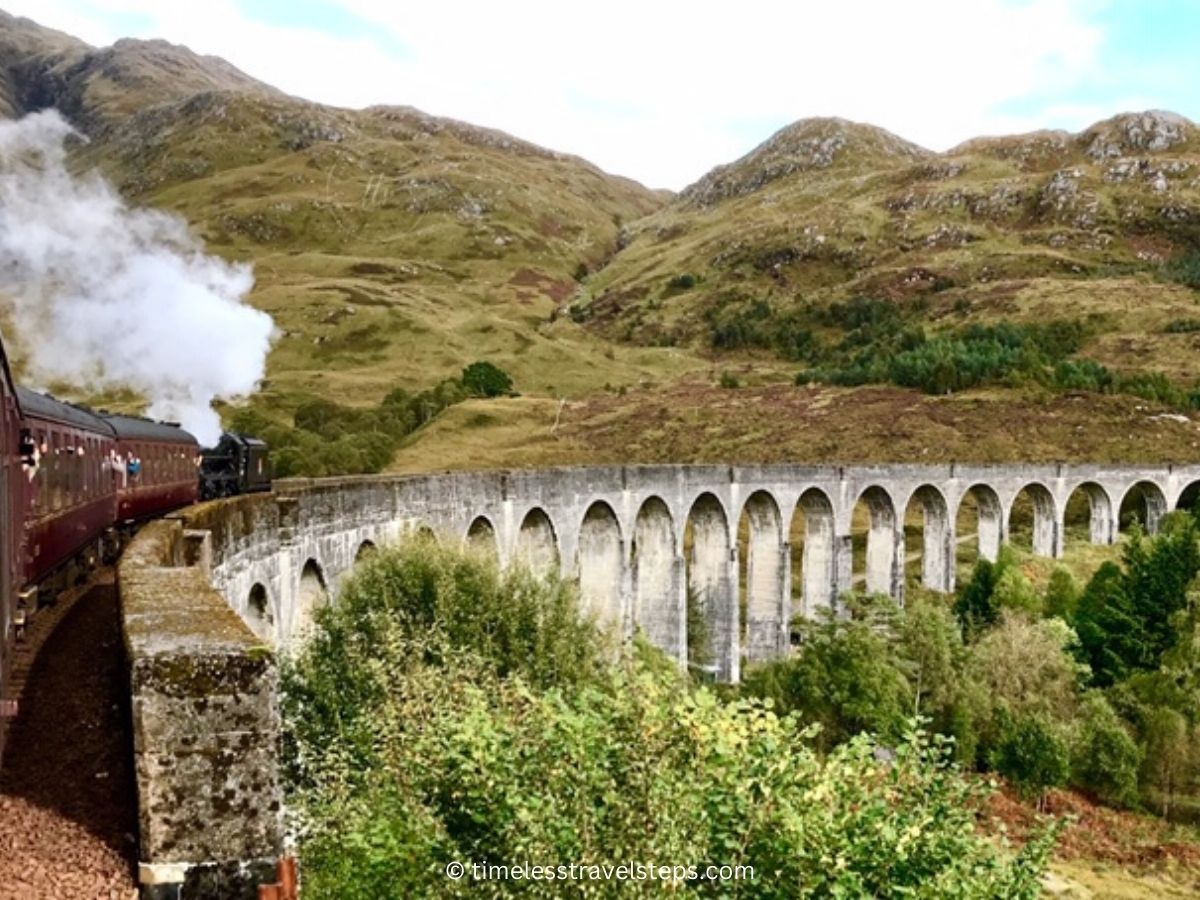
(66, 470)
(43, 476)
(48, 472)
(56, 468)
(70, 488)
(74, 470)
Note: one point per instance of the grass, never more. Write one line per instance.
(393, 248)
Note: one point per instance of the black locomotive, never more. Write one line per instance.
(239, 464)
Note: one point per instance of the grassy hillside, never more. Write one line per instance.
(1093, 226)
(393, 248)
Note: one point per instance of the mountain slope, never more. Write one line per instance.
(98, 88)
(1027, 228)
(393, 247)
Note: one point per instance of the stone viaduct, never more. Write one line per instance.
(637, 537)
(753, 545)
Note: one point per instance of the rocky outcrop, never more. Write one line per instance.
(810, 144)
(1129, 134)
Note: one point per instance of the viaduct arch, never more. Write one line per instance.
(639, 539)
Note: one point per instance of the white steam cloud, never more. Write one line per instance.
(105, 296)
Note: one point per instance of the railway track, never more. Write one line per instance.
(68, 814)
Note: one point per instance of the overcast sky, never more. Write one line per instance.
(663, 91)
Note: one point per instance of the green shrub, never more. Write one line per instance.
(680, 283)
(847, 678)
(420, 594)
(1062, 594)
(328, 438)
(1183, 326)
(756, 324)
(483, 769)
(1083, 375)
(729, 380)
(1184, 269)
(483, 379)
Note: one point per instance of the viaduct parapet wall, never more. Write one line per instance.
(637, 539)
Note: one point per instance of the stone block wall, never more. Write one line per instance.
(206, 728)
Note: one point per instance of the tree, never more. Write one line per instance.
(1105, 758)
(932, 654)
(1013, 590)
(1111, 638)
(1026, 667)
(976, 606)
(1170, 761)
(1159, 573)
(1062, 594)
(482, 379)
(1033, 754)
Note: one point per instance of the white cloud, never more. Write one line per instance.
(656, 90)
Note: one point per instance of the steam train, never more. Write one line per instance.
(74, 484)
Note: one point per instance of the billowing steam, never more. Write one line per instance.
(106, 296)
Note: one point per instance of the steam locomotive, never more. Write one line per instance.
(74, 484)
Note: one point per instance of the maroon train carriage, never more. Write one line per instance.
(12, 489)
(156, 468)
(71, 491)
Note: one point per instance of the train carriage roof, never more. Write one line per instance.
(133, 428)
(41, 406)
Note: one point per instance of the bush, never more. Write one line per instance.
(1062, 594)
(1025, 668)
(1083, 375)
(756, 324)
(482, 379)
(1184, 269)
(680, 283)
(729, 380)
(847, 679)
(328, 438)
(1183, 326)
(433, 717)
(634, 769)
(417, 602)
(1013, 590)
